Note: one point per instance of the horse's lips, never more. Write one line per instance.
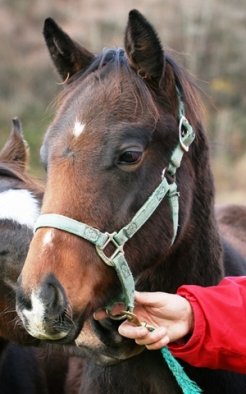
(47, 337)
(66, 336)
(102, 350)
(39, 330)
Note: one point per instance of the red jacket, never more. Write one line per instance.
(219, 337)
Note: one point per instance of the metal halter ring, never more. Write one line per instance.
(120, 316)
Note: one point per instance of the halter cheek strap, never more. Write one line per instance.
(117, 260)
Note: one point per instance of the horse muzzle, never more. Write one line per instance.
(44, 312)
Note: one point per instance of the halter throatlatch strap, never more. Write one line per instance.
(117, 260)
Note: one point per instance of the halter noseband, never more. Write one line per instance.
(117, 260)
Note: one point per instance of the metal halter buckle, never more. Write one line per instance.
(118, 249)
(183, 123)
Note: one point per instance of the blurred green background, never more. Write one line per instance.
(208, 37)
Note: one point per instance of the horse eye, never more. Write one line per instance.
(130, 157)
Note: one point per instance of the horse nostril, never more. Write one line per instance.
(53, 296)
(43, 312)
(23, 300)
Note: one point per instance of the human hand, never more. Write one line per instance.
(170, 314)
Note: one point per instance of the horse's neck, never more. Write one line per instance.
(196, 258)
(145, 374)
(199, 258)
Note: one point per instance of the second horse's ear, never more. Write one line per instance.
(143, 48)
(68, 56)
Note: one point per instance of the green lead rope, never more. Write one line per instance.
(187, 385)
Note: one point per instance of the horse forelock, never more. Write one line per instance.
(114, 62)
(112, 72)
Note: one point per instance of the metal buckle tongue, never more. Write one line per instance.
(118, 316)
(131, 317)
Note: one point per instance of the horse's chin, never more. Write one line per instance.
(101, 356)
(103, 345)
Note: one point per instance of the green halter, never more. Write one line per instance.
(117, 260)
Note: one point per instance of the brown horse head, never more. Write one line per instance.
(114, 132)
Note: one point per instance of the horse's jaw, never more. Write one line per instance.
(104, 348)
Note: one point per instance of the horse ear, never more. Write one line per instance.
(143, 48)
(15, 148)
(68, 56)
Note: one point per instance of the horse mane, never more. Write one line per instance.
(189, 90)
(15, 170)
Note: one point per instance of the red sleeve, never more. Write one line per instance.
(219, 337)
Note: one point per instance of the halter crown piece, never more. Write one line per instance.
(117, 260)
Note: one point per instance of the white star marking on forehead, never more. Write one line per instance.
(78, 128)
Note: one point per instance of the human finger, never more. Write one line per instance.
(158, 344)
(131, 331)
(152, 336)
(152, 298)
